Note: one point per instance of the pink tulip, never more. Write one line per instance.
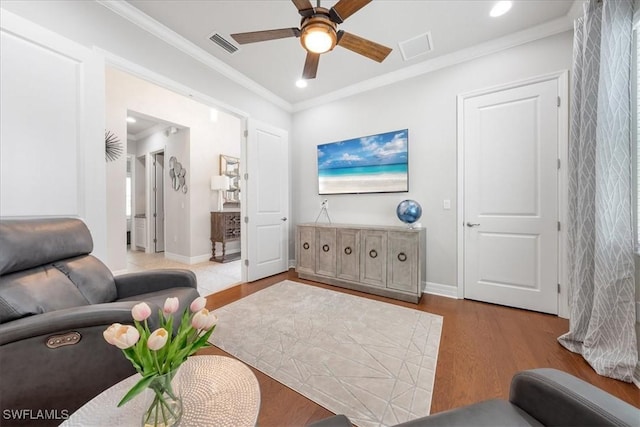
(204, 320)
(171, 305)
(157, 339)
(109, 333)
(212, 320)
(124, 336)
(141, 311)
(200, 320)
(198, 304)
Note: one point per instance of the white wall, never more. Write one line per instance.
(51, 128)
(93, 25)
(200, 156)
(426, 105)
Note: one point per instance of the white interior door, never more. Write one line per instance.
(510, 140)
(159, 202)
(267, 201)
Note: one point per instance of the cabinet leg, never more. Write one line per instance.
(213, 251)
(223, 251)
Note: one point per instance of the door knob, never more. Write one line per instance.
(472, 225)
(284, 218)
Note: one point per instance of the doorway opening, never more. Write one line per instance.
(158, 201)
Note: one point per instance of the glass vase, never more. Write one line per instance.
(163, 401)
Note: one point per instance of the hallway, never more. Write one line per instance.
(212, 276)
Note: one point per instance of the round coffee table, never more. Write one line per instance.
(216, 391)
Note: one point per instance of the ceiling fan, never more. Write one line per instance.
(319, 33)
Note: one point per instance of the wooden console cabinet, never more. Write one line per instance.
(225, 228)
(387, 261)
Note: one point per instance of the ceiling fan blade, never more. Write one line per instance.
(345, 8)
(261, 36)
(311, 66)
(305, 8)
(364, 47)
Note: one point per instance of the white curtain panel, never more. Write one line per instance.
(600, 233)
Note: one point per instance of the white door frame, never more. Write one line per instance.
(562, 79)
(154, 184)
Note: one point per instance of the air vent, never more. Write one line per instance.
(223, 43)
(417, 46)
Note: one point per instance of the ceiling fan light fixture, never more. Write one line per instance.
(318, 37)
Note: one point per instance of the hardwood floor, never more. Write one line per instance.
(482, 346)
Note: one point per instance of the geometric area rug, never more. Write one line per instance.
(371, 361)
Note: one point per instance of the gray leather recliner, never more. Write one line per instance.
(537, 397)
(55, 302)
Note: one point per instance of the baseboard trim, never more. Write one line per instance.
(440, 290)
(191, 260)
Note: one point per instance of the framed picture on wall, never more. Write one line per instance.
(369, 164)
(230, 166)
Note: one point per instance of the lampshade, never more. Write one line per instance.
(318, 37)
(220, 182)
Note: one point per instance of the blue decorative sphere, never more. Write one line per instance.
(409, 211)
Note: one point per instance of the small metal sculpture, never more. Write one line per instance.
(112, 145)
(177, 174)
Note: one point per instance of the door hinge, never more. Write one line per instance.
(559, 163)
(246, 262)
(155, 215)
(246, 133)
(558, 287)
(558, 101)
(246, 220)
(558, 225)
(155, 189)
(155, 240)
(246, 176)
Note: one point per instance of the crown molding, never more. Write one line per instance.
(547, 29)
(154, 27)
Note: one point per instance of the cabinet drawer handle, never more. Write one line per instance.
(325, 248)
(402, 257)
(305, 245)
(348, 250)
(373, 253)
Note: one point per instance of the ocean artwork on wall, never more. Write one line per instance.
(370, 164)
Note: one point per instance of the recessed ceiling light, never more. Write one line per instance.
(302, 83)
(500, 8)
(131, 119)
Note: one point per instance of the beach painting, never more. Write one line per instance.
(370, 164)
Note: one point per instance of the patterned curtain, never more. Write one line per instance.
(600, 234)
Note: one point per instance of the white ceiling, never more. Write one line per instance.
(456, 26)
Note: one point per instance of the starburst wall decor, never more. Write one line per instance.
(112, 145)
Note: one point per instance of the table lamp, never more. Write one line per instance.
(220, 183)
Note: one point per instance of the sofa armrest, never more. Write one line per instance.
(556, 398)
(71, 318)
(132, 284)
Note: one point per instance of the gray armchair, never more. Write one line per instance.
(538, 397)
(55, 302)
